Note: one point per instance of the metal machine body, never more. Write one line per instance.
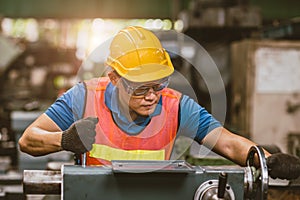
(153, 180)
(177, 181)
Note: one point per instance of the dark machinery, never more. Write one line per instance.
(153, 180)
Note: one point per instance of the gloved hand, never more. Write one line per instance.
(283, 166)
(80, 136)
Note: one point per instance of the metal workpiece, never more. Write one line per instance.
(42, 182)
(11, 185)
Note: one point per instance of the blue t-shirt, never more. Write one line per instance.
(194, 121)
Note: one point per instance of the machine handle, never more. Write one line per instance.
(261, 179)
(222, 185)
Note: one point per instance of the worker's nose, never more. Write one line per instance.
(151, 94)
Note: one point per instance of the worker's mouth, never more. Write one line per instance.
(149, 107)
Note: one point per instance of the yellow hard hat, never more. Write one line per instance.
(137, 55)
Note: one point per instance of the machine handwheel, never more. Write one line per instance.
(260, 175)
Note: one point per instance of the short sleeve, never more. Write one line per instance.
(195, 121)
(68, 108)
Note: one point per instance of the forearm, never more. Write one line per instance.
(238, 151)
(38, 142)
(42, 137)
(231, 146)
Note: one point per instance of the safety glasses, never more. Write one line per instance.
(134, 89)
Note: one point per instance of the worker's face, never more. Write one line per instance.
(143, 105)
(140, 98)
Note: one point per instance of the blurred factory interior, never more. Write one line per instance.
(254, 44)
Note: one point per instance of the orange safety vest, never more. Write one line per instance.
(154, 142)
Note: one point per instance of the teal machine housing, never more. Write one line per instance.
(150, 180)
(153, 180)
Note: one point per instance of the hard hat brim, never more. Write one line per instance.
(148, 72)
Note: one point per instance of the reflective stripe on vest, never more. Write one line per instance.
(154, 142)
(110, 153)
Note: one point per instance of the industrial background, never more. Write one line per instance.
(255, 45)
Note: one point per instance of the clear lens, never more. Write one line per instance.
(144, 89)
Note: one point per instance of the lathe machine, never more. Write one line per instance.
(153, 180)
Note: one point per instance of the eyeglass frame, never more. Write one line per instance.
(164, 82)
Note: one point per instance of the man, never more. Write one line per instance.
(131, 114)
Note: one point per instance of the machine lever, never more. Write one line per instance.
(222, 185)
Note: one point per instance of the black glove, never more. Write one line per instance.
(283, 166)
(80, 136)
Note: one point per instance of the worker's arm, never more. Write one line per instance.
(235, 148)
(43, 136)
(229, 145)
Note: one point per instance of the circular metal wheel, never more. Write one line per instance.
(209, 191)
(259, 190)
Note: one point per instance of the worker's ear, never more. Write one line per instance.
(114, 77)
